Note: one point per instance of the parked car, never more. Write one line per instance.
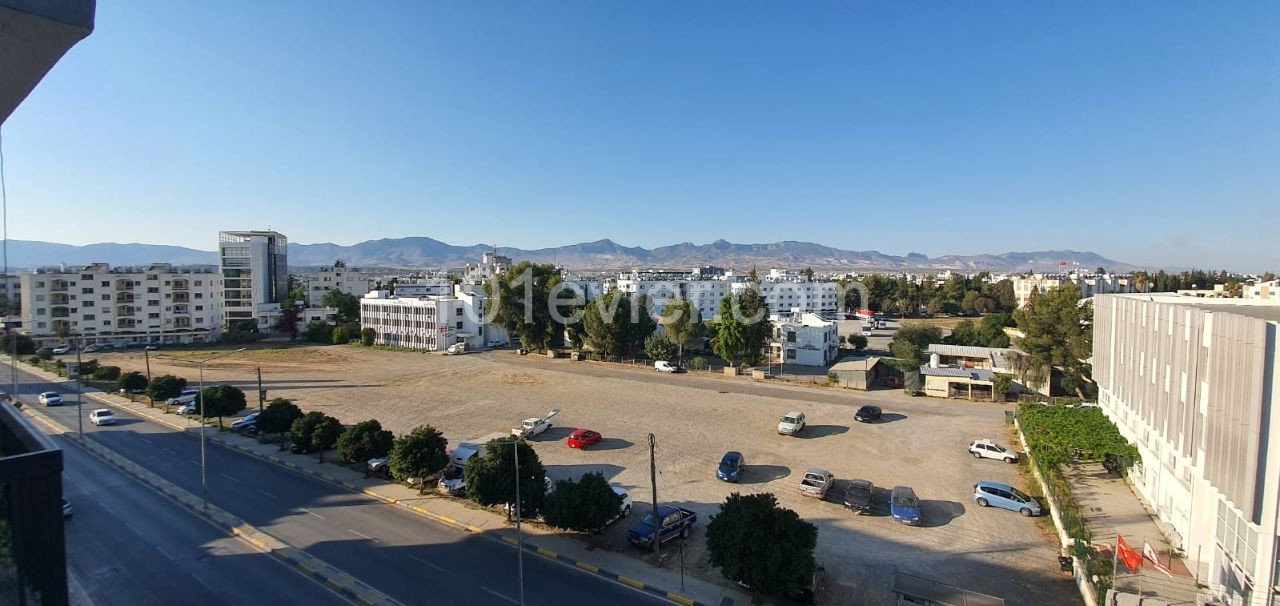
(456, 348)
(673, 522)
(380, 466)
(791, 423)
(624, 509)
(857, 496)
(189, 408)
(730, 469)
(187, 396)
(297, 448)
(816, 483)
(452, 481)
(904, 506)
(102, 416)
(66, 508)
(868, 413)
(50, 398)
(61, 349)
(245, 423)
(665, 366)
(91, 348)
(531, 427)
(986, 449)
(582, 438)
(995, 494)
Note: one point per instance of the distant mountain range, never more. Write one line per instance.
(602, 254)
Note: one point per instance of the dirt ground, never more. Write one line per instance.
(696, 419)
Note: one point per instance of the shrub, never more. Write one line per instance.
(164, 387)
(105, 373)
(34, 360)
(319, 331)
(698, 363)
(368, 336)
(833, 378)
(340, 336)
(88, 367)
(131, 381)
(44, 354)
(365, 440)
(586, 505)
(25, 345)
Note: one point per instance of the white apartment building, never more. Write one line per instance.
(1263, 292)
(429, 323)
(786, 299)
(255, 277)
(339, 277)
(806, 339)
(102, 304)
(427, 287)
(1089, 284)
(1195, 384)
(491, 264)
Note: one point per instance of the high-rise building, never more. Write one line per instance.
(255, 277)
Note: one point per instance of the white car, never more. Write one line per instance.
(61, 349)
(50, 398)
(531, 427)
(186, 397)
(189, 408)
(102, 416)
(625, 509)
(986, 449)
(791, 423)
(664, 366)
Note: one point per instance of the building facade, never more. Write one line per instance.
(255, 277)
(102, 304)
(1195, 384)
(339, 277)
(429, 323)
(807, 340)
(1263, 292)
(1089, 284)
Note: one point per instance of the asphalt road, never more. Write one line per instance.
(409, 558)
(128, 545)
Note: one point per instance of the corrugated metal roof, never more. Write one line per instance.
(964, 351)
(855, 364)
(980, 374)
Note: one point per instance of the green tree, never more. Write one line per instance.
(743, 327)
(319, 331)
(105, 373)
(969, 304)
(288, 322)
(965, 333)
(220, 401)
(1005, 298)
(419, 454)
(521, 304)
(365, 440)
(585, 505)
(759, 544)
(348, 305)
(658, 347)
(1056, 332)
(698, 363)
(910, 342)
(1001, 385)
(278, 417)
(132, 381)
(618, 323)
(340, 336)
(858, 342)
(304, 427)
(491, 478)
(325, 435)
(26, 346)
(683, 325)
(807, 273)
(368, 336)
(164, 387)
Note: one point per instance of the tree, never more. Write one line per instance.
(368, 336)
(365, 440)
(105, 373)
(743, 327)
(319, 331)
(521, 302)
(658, 347)
(910, 343)
(303, 427)
(419, 454)
(288, 322)
(858, 342)
(1003, 293)
(1001, 385)
(340, 336)
(965, 333)
(221, 401)
(325, 435)
(698, 363)
(807, 273)
(682, 324)
(348, 305)
(491, 478)
(618, 323)
(1056, 331)
(26, 346)
(132, 381)
(585, 505)
(164, 387)
(278, 417)
(759, 544)
(937, 305)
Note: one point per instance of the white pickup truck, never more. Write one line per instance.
(816, 483)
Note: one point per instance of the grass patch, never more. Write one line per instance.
(948, 323)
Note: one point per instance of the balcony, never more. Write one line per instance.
(125, 311)
(126, 323)
(181, 309)
(58, 286)
(60, 299)
(125, 285)
(181, 285)
(125, 298)
(181, 297)
(60, 311)
(182, 322)
(60, 326)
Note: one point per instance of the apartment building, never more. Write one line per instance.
(104, 304)
(339, 277)
(255, 277)
(806, 339)
(1267, 293)
(1089, 284)
(784, 297)
(1195, 384)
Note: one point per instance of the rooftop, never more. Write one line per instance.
(1251, 308)
(979, 374)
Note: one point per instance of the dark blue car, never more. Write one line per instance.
(731, 465)
(904, 506)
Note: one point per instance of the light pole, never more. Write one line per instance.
(79, 390)
(515, 451)
(204, 479)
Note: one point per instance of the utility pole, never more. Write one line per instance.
(653, 481)
(146, 354)
(79, 391)
(515, 451)
(261, 395)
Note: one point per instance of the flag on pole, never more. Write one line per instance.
(1150, 554)
(1127, 556)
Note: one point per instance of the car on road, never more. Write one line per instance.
(186, 397)
(248, 422)
(1004, 496)
(791, 423)
(857, 497)
(50, 398)
(665, 366)
(987, 449)
(531, 427)
(904, 506)
(816, 483)
(868, 413)
(582, 438)
(66, 508)
(730, 469)
(102, 416)
(61, 349)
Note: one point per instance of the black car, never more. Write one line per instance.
(297, 448)
(858, 495)
(868, 413)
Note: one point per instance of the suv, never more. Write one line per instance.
(988, 494)
(791, 423)
(986, 449)
(186, 397)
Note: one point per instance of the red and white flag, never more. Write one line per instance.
(1127, 555)
(1150, 554)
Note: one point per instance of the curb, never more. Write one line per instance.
(417, 509)
(314, 568)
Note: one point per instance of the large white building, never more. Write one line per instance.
(255, 277)
(429, 323)
(1263, 292)
(1195, 384)
(806, 339)
(784, 297)
(102, 304)
(339, 277)
(1089, 284)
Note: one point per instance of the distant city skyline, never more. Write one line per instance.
(1147, 136)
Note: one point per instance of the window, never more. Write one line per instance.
(40, 311)
(106, 283)
(199, 295)
(86, 276)
(106, 322)
(153, 316)
(39, 284)
(791, 354)
(153, 290)
(89, 317)
(86, 291)
(153, 302)
(199, 320)
(457, 311)
(459, 325)
(199, 282)
(199, 308)
(39, 297)
(39, 324)
(106, 297)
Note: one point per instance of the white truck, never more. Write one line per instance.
(816, 483)
(452, 481)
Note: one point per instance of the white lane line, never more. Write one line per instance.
(265, 493)
(164, 553)
(362, 535)
(230, 478)
(201, 581)
(169, 450)
(303, 509)
(505, 597)
(197, 464)
(425, 563)
(147, 441)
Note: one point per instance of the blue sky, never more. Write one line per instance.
(1145, 131)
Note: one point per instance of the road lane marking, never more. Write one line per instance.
(265, 493)
(303, 509)
(425, 563)
(362, 535)
(201, 581)
(169, 450)
(193, 462)
(163, 552)
(147, 441)
(230, 478)
(505, 597)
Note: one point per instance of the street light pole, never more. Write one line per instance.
(79, 391)
(515, 450)
(204, 478)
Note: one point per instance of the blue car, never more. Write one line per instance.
(995, 494)
(731, 465)
(904, 506)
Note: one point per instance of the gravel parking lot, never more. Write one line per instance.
(921, 443)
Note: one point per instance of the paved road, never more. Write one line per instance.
(407, 557)
(128, 545)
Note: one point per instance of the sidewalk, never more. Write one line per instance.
(460, 514)
(1113, 509)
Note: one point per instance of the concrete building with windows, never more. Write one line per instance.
(1267, 293)
(1089, 284)
(102, 304)
(429, 323)
(1195, 384)
(806, 339)
(255, 277)
(339, 277)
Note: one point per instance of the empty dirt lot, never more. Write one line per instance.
(921, 443)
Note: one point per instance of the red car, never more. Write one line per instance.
(582, 438)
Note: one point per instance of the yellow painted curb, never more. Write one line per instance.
(542, 551)
(474, 528)
(679, 599)
(589, 567)
(510, 540)
(448, 520)
(631, 582)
